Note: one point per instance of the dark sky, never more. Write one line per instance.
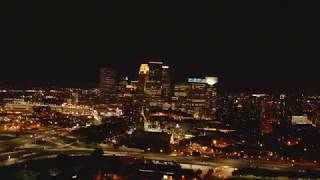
(249, 46)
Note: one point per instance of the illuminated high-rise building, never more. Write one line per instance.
(107, 83)
(269, 116)
(121, 87)
(284, 111)
(143, 77)
(159, 78)
(166, 81)
(179, 98)
(154, 82)
(197, 97)
(153, 88)
(155, 71)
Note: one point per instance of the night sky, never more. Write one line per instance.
(250, 47)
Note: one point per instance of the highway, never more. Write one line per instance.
(32, 153)
(22, 149)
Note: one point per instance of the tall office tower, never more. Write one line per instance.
(212, 95)
(157, 84)
(284, 111)
(179, 98)
(154, 83)
(165, 81)
(197, 97)
(268, 116)
(197, 100)
(159, 78)
(121, 87)
(143, 77)
(107, 83)
(155, 71)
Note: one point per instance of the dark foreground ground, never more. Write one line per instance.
(97, 167)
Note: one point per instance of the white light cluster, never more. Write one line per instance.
(208, 80)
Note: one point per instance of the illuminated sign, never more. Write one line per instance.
(208, 80)
(211, 80)
(155, 62)
(196, 80)
(165, 67)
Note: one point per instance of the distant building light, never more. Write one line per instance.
(196, 80)
(282, 96)
(258, 95)
(208, 80)
(144, 69)
(155, 62)
(215, 142)
(211, 80)
(300, 120)
(165, 67)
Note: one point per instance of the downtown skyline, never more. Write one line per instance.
(176, 91)
(67, 74)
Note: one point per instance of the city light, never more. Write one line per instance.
(127, 93)
(144, 69)
(211, 80)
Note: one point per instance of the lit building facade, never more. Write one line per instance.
(107, 83)
(197, 97)
(284, 111)
(269, 116)
(154, 83)
(143, 77)
(166, 85)
(180, 94)
(300, 120)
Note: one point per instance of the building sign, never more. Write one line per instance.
(208, 80)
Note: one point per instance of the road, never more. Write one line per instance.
(46, 152)
(21, 150)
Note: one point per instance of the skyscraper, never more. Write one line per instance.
(155, 70)
(268, 116)
(143, 77)
(107, 83)
(197, 97)
(179, 98)
(165, 81)
(154, 82)
(159, 78)
(284, 110)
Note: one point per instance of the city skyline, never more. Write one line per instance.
(92, 80)
(175, 92)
